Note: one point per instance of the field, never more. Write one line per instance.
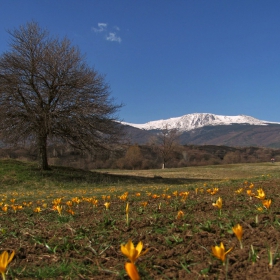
(70, 224)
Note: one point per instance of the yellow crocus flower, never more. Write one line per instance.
(219, 203)
(4, 261)
(69, 203)
(123, 196)
(184, 195)
(70, 211)
(76, 200)
(180, 214)
(250, 193)
(107, 205)
(238, 231)
(94, 202)
(144, 204)
(132, 271)
(266, 203)
(131, 252)
(239, 191)
(57, 201)
(261, 194)
(214, 191)
(37, 210)
(219, 252)
(14, 207)
(58, 208)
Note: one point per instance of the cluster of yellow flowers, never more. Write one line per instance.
(128, 249)
(123, 196)
(220, 252)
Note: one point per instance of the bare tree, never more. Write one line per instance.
(47, 91)
(165, 142)
(133, 157)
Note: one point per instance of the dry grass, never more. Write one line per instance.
(211, 172)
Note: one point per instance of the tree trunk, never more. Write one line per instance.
(43, 157)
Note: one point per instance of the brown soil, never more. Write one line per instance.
(87, 244)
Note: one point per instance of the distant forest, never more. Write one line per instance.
(145, 156)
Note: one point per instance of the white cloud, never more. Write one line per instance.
(109, 36)
(113, 37)
(101, 27)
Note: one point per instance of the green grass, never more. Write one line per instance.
(210, 172)
(18, 177)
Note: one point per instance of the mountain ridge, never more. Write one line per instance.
(198, 120)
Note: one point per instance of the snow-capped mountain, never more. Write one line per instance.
(197, 120)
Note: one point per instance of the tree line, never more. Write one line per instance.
(144, 156)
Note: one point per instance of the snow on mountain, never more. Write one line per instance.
(197, 120)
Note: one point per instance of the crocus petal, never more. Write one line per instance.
(139, 248)
(228, 250)
(132, 271)
(130, 245)
(11, 257)
(129, 253)
(3, 261)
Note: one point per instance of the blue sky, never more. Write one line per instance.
(168, 58)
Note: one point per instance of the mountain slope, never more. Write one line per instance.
(197, 120)
(209, 129)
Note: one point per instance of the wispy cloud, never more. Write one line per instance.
(109, 36)
(101, 27)
(113, 37)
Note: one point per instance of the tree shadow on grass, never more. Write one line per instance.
(61, 174)
(68, 174)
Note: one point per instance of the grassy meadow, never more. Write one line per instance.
(70, 224)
